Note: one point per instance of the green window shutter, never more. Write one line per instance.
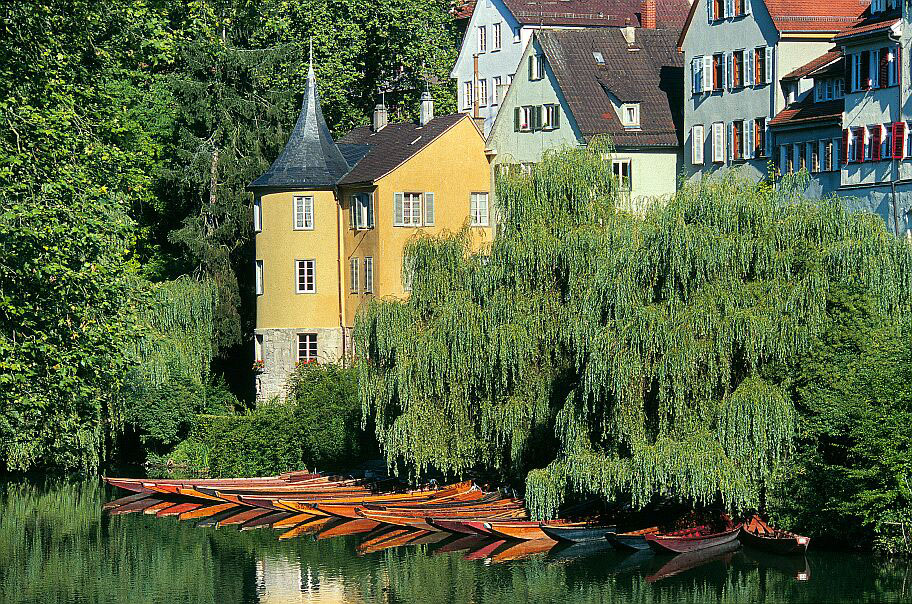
(516, 114)
(397, 209)
(428, 209)
(538, 117)
(557, 118)
(531, 66)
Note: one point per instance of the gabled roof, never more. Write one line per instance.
(392, 146)
(670, 14)
(649, 73)
(310, 159)
(801, 16)
(810, 113)
(824, 63)
(867, 24)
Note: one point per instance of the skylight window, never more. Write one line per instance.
(598, 57)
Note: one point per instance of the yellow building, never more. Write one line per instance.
(331, 221)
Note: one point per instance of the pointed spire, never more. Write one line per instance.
(311, 159)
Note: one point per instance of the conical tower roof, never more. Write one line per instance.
(311, 159)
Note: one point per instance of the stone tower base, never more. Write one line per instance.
(280, 354)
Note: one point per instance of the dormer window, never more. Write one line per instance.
(878, 6)
(630, 115)
(599, 58)
(828, 89)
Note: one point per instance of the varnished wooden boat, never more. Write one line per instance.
(352, 527)
(522, 549)
(577, 532)
(457, 510)
(756, 533)
(631, 540)
(177, 510)
(155, 509)
(242, 517)
(206, 511)
(264, 521)
(346, 506)
(308, 527)
(485, 550)
(465, 527)
(691, 539)
(293, 521)
(523, 530)
(381, 540)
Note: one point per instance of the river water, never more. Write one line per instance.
(56, 545)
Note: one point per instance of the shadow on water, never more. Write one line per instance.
(56, 545)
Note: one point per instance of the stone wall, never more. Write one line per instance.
(280, 353)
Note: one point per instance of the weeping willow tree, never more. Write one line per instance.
(630, 348)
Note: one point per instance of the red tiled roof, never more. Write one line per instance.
(866, 24)
(821, 61)
(463, 9)
(809, 111)
(670, 14)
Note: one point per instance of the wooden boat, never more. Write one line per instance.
(155, 509)
(242, 517)
(352, 527)
(293, 521)
(266, 520)
(486, 550)
(347, 507)
(523, 549)
(631, 540)
(449, 511)
(577, 532)
(308, 527)
(388, 539)
(206, 511)
(523, 530)
(756, 533)
(685, 562)
(465, 527)
(690, 539)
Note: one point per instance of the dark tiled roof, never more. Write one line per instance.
(867, 24)
(310, 160)
(392, 146)
(807, 111)
(353, 153)
(650, 73)
(670, 14)
(814, 66)
(463, 9)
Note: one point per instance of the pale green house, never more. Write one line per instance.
(575, 84)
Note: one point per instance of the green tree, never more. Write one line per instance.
(636, 343)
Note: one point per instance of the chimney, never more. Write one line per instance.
(427, 108)
(381, 115)
(648, 14)
(629, 32)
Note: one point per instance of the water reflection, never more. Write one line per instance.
(57, 546)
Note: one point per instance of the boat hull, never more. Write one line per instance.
(776, 545)
(628, 543)
(577, 534)
(679, 545)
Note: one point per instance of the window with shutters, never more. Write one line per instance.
(482, 39)
(741, 7)
(467, 94)
(866, 133)
(258, 277)
(864, 78)
(305, 276)
(307, 348)
(482, 92)
(759, 138)
(257, 215)
(737, 140)
(874, 70)
(368, 275)
(496, 37)
(815, 156)
(876, 142)
(696, 145)
(718, 142)
(738, 69)
(718, 72)
(888, 66)
(828, 160)
(718, 9)
(622, 175)
(354, 275)
(536, 67)
(303, 213)
(411, 209)
(550, 117)
(858, 144)
(525, 118)
(898, 139)
(696, 75)
(478, 209)
(759, 65)
(496, 83)
(361, 206)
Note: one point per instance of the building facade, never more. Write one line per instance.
(331, 221)
(578, 84)
(499, 31)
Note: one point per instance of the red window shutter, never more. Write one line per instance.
(845, 146)
(876, 140)
(884, 67)
(899, 139)
(860, 144)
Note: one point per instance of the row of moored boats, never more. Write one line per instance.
(301, 501)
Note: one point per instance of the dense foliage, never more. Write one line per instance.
(638, 344)
(850, 479)
(318, 426)
(129, 131)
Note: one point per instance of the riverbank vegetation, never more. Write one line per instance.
(640, 358)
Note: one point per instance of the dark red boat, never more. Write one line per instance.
(691, 539)
(756, 533)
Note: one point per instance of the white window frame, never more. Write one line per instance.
(496, 83)
(550, 116)
(258, 273)
(482, 92)
(478, 209)
(361, 206)
(258, 346)
(536, 67)
(527, 118)
(310, 266)
(467, 94)
(697, 144)
(303, 206)
(627, 110)
(368, 275)
(310, 344)
(410, 205)
(497, 40)
(482, 33)
(517, 36)
(625, 184)
(257, 215)
(354, 275)
(718, 142)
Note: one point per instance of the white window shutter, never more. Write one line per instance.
(731, 141)
(709, 11)
(696, 145)
(707, 74)
(429, 209)
(769, 64)
(729, 8)
(696, 78)
(747, 7)
(748, 139)
(397, 209)
(729, 72)
(748, 62)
